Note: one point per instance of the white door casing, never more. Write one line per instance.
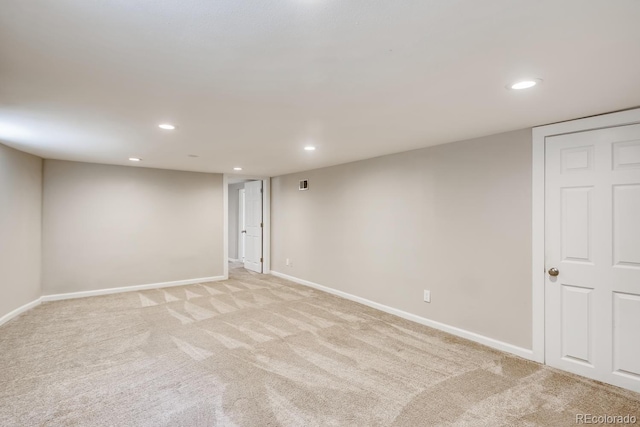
(592, 236)
(253, 226)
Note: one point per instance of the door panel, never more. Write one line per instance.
(253, 226)
(578, 159)
(626, 233)
(592, 236)
(626, 344)
(626, 155)
(576, 220)
(576, 323)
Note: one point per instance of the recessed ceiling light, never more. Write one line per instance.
(310, 148)
(237, 169)
(166, 126)
(524, 84)
(134, 159)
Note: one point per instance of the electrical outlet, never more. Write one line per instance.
(288, 262)
(427, 296)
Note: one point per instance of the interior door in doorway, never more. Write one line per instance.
(241, 224)
(253, 226)
(592, 254)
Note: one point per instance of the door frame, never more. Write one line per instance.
(538, 270)
(266, 219)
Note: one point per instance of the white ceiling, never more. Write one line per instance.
(249, 83)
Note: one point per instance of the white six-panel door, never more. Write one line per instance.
(592, 237)
(253, 226)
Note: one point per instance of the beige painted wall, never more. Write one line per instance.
(113, 226)
(20, 225)
(454, 219)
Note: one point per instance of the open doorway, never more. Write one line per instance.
(241, 229)
(235, 244)
(246, 223)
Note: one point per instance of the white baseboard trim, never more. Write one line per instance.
(233, 260)
(18, 311)
(472, 336)
(84, 294)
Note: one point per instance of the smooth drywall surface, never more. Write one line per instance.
(20, 228)
(114, 226)
(453, 219)
(234, 218)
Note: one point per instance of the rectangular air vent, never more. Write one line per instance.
(304, 185)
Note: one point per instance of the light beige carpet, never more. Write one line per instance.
(260, 351)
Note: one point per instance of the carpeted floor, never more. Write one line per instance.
(260, 351)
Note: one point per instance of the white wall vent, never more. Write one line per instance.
(304, 185)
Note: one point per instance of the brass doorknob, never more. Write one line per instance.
(553, 272)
